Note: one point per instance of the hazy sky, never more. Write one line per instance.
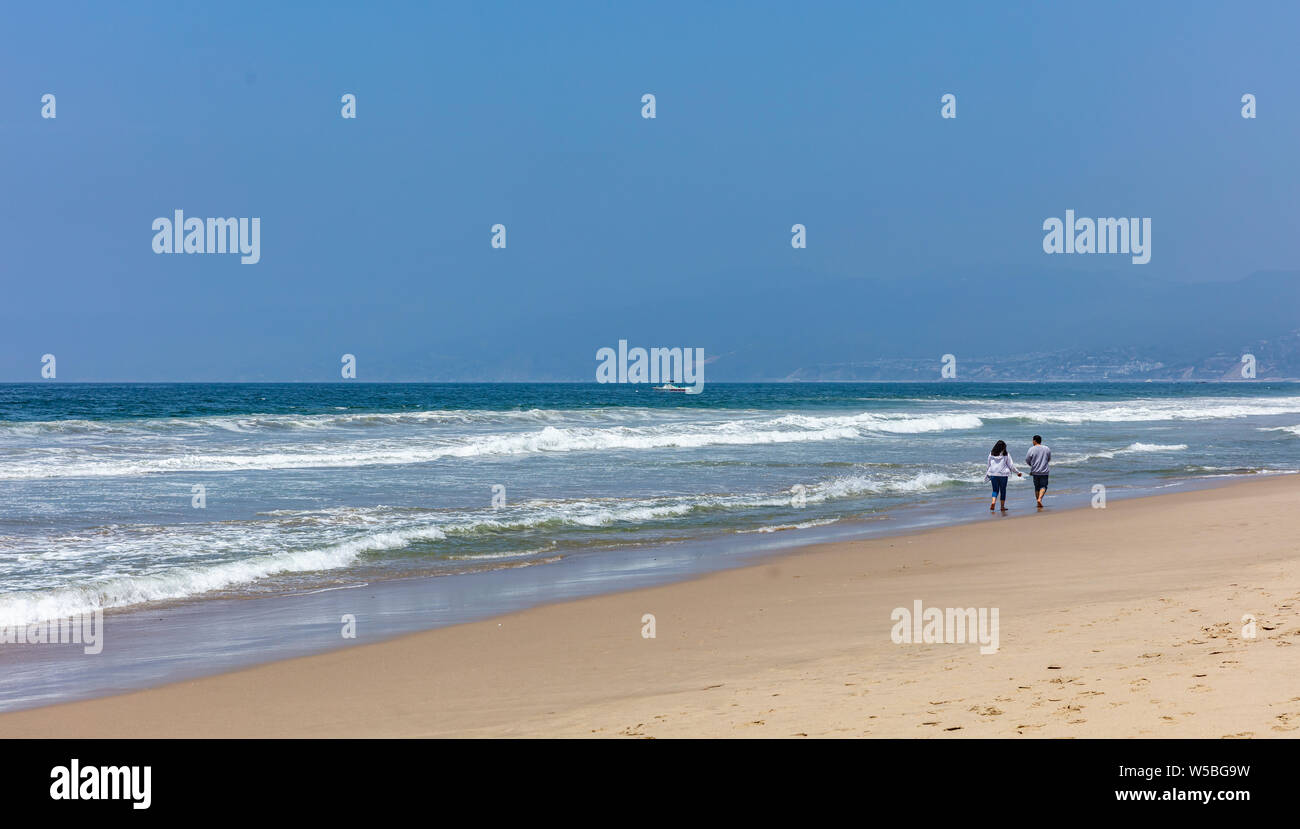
(375, 232)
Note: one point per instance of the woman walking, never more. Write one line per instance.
(999, 470)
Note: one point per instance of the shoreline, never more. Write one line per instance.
(162, 643)
(800, 643)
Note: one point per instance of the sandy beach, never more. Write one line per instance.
(1117, 622)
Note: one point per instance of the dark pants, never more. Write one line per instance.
(1040, 482)
(999, 486)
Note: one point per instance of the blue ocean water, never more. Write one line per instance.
(311, 486)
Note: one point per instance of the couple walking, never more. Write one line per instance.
(1001, 466)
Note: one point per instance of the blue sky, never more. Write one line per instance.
(375, 231)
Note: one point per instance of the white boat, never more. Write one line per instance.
(670, 387)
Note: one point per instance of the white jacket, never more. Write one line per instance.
(1001, 465)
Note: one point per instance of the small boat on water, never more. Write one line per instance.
(671, 387)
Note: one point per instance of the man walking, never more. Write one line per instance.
(1039, 460)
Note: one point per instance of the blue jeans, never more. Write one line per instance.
(999, 486)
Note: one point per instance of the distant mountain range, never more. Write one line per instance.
(1276, 359)
(999, 325)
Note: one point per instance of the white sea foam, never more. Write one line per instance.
(1238, 473)
(75, 462)
(1136, 411)
(180, 558)
(181, 582)
(253, 423)
(895, 423)
(959, 416)
(1152, 447)
(803, 525)
(1075, 459)
(1292, 430)
(855, 485)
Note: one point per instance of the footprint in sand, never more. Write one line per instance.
(1218, 631)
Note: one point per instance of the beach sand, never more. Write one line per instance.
(1116, 622)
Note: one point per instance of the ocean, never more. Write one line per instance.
(122, 497)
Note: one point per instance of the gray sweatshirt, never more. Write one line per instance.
(1039, 459)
